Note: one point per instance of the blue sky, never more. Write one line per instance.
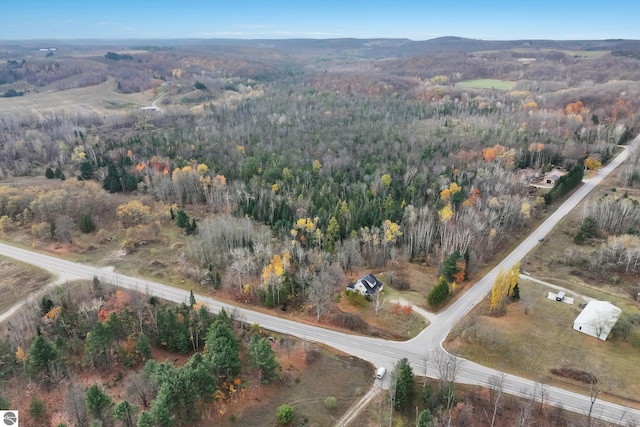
(417, 20)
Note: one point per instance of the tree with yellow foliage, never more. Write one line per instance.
(592, 163)
(386, 180)
(133, 213)
(445, 214)
(273, 275)
(502, 289)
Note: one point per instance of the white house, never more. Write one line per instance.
(367, 285)
(597, 319)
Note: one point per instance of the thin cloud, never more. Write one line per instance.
(251, 26)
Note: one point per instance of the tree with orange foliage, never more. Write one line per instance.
(489, 154)
(461, 273)
(575, 108)
(273, 274)
(622, 109)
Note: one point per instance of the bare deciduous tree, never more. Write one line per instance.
(75, 403)
(323, 286)
(496, 387)
(141, 388)
(448, 367)
(541, 393)
(377, 301)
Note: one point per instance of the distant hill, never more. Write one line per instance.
(365, 48)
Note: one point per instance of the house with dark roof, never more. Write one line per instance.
(367, 285)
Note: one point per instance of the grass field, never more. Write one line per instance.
(587, 54)
(532, 344)
(487, 84)
(18, 280)
(102, 99)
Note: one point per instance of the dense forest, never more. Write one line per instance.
(366, 162)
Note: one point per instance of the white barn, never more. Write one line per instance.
(597, 319)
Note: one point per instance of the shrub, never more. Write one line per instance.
(36, 409)
(356, 299)
(439, 293)
(351, 321)
(86, 224)
(331, 402)
(285, 414)
(49, 173)
(311, 355)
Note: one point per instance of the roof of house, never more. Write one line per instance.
(554, 174)
(370, 283)
(599, 312)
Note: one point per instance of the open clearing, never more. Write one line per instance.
(536, 335)
(102, 99)
(487, 84)
(17, 281)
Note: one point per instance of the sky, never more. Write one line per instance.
(278, 19)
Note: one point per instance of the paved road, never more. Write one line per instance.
(377, 351)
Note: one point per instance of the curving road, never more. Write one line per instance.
(377, 351)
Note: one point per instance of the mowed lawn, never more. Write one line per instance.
(487, 84)
(530, 345)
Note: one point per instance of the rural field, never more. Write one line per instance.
(102, 99)
(487, 84)
(536, 336)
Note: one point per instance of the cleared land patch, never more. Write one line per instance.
(536, 336)
(101, 98)
(17, 281)
(487, 84)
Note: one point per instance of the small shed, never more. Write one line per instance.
(597, 319)
(554, 175)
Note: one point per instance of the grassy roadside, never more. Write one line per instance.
(18, 280)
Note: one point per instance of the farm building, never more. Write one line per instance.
(597, 319)
(554, 175)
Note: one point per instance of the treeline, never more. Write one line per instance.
(11, 93)
(118, 56)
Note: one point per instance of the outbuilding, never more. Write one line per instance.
(597, 319)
